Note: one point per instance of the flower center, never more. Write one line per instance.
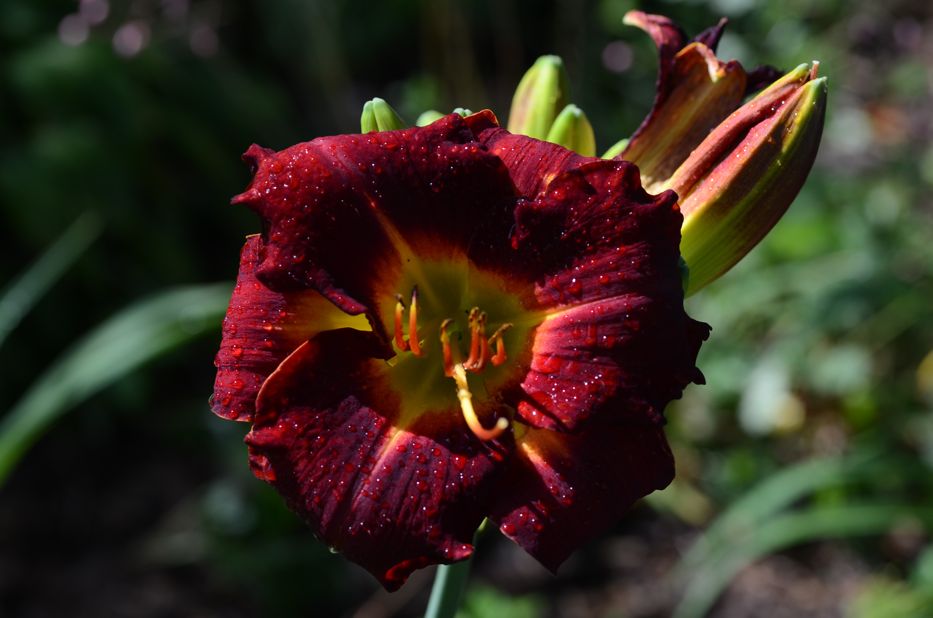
(440, 335)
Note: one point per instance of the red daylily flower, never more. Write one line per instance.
(443, 324)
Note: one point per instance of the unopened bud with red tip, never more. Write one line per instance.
(379, 116)
(541, 95)
(695, 92)
(572, 130)
(741, 179)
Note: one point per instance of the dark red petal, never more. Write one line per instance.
(669, 39)
(711, 36)
(260, 329)
(616, 341)
(391, 499)
(336, 209)
(562, 490)
(532, 163)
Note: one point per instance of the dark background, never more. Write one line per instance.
(804, 484)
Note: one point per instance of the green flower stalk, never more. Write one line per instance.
(540, 96)
(573, 131)
(379, 116)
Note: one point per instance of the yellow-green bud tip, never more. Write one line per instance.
(379, 116)
(541, 94)
(571, 129)
(428, 117)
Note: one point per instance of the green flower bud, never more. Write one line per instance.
(379, 116)
(572, 130)
(616, 149)
(464, 112)
(741, 179)
(540, 95)
(428, 117)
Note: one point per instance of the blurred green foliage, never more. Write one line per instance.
(816, 420)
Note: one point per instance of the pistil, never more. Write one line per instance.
(469, 414)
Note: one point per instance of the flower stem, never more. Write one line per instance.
(450, 582)
(447, 592)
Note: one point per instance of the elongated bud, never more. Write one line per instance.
(740, 180)
(572, 130)
(541, 95)
(379, 116)
(704, 91)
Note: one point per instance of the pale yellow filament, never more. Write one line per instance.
(469, 414)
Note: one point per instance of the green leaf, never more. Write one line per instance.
(755, 526)
(23, 293)
(821, 523)
(775, 493)
(127, 340)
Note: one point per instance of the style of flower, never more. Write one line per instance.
(443, 324)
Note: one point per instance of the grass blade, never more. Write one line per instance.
(127, 340)
(785, 531)
(767, 498)
(25, 291)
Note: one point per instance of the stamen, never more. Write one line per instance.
(479, 349)
(499, 357)
(466, 406)
(445, 347)
(413, 342)
(484, 354)
(400, 342)
(474, 340)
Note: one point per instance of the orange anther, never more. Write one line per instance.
(400, 342)
(445, 347)
(477, 323)
(478, 341)
(500, 356)
(413, 341)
